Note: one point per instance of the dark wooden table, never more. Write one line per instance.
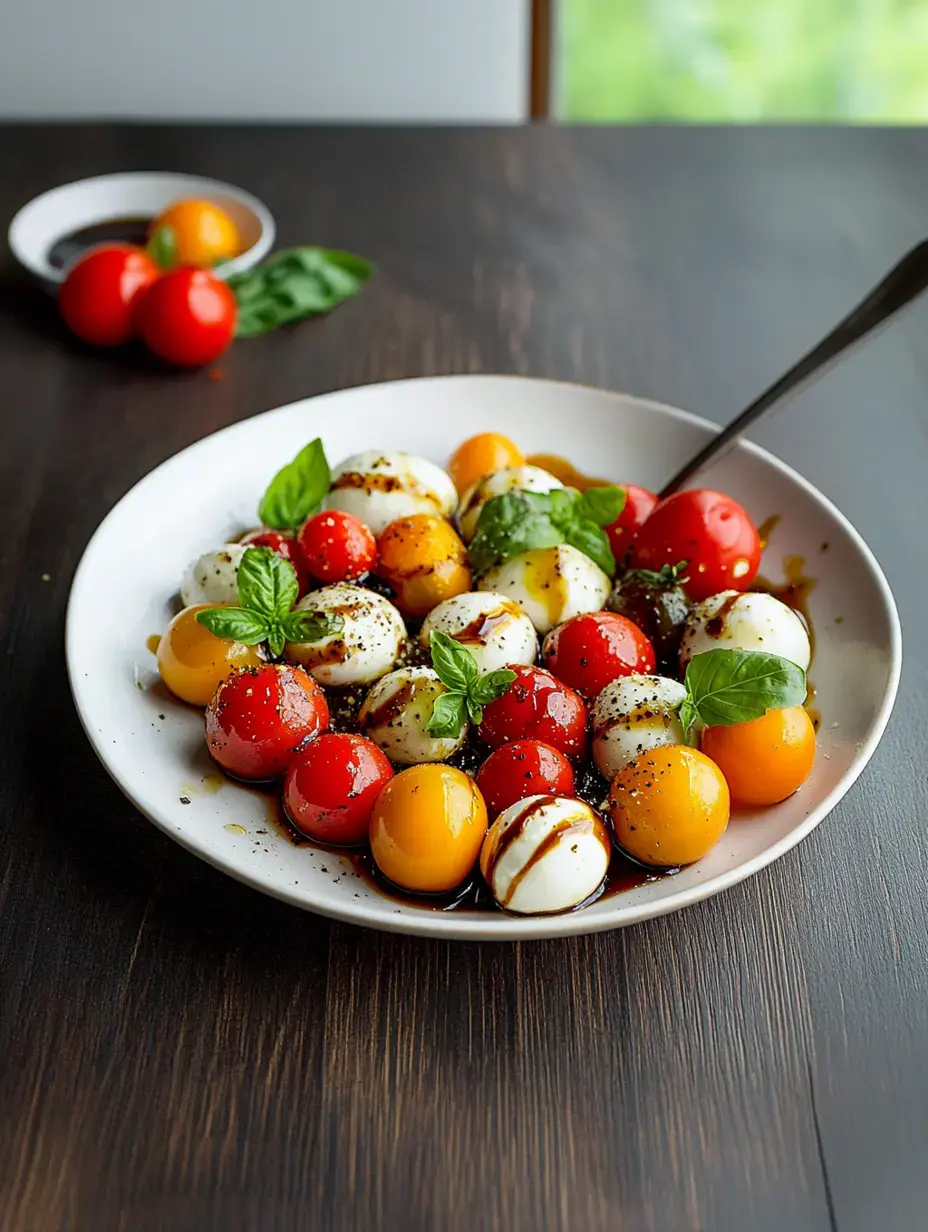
(178, 1052)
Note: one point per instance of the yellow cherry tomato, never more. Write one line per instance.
(669, 806)
(203, 232)
(427, 828)
(194, 662)
(424, 561)
(481, 455)
(766, 760)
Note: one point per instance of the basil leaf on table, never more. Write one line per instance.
(236, 623)
(468, 690)
(295, 284)
(724, 687)
(297, 490)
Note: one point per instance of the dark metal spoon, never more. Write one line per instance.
(902, 284)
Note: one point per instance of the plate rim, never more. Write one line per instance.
(447, 926)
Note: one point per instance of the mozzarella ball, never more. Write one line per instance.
(380, 486)
(550, 584)
(523, 478)
(752, 620)
(493, 628)
(396, 715)
(544, 854)
(364, 649)
(213, 577)
(633, 714)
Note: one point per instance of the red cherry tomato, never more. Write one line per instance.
(590, 651)
(537, 707)
(639, 504)
(331, 787)
(284, 545)
(337, 547)
(523, 768)
(187, 317)
(261, 716)
(99, 296)
(708, 530)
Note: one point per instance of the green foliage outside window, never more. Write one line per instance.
(744, 60)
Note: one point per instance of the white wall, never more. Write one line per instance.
(390, 60)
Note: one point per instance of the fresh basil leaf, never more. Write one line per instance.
(237, 623)
(276, 639)
(689, 716)
(162, 248)
(666, 577)
(593, 541)
(736, 686)
(492, 685)
(267, 584)
(454, 663)
(509, 524)
(448, 716)
(295, 284)
(297, 490)
(302, 626)
(601, 505)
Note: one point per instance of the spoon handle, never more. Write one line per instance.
(903, 283)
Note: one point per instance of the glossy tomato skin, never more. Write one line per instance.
(187, 318)
(331, 786)
(284, 545)
(523, 768)
(709, 531)
(261, 717)
(589, 651)
(99, 297)
(640, 503)
(537, 707)
(337, 546)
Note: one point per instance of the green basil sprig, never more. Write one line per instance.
(469, 690)
(735, 686)
(267, 591)
(297, 490)
(162, 248)
(665, 578)
(296, 283)
(521, 521)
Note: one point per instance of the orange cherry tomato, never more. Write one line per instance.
(481, 455)
(187, 317)
(203, 232)
(669, 806)
(424, 561)
(427, 828)
(194, 662)
(766, 760)
(99, 296)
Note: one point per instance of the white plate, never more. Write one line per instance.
(153, 747)
(44, 220)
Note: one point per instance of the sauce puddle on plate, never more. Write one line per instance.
(115, 231)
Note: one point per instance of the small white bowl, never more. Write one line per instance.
(136, 195)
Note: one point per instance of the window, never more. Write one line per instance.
(742, 60)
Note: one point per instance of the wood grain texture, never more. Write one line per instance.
(179, 1053)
